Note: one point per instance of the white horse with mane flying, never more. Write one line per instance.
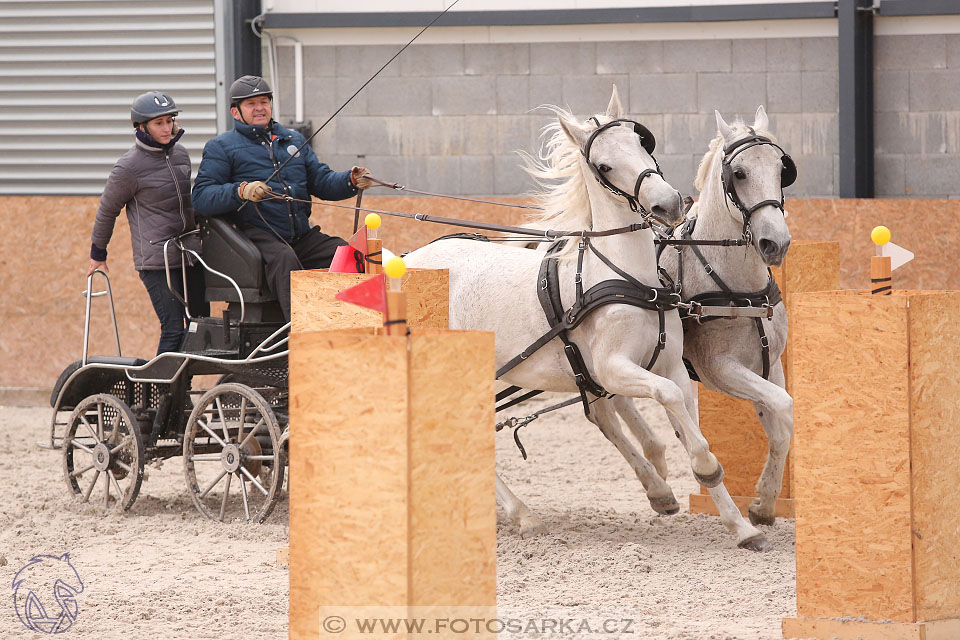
(494, 288)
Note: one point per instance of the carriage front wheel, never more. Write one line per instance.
(103, 452)
(233, 461)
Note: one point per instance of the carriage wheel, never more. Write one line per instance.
(232, 456)
(103, 446)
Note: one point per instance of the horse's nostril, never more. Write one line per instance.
(658, 211)
(768, 247)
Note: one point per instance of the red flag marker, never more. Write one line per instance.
(370, 294)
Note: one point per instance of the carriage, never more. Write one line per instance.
(112, 415)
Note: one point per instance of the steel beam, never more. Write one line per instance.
(855, 35)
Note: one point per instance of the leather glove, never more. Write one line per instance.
(254, 191)
(359, 179)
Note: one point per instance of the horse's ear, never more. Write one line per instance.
(724, 128)
(573, 130)
(761, 122)
(615, 109)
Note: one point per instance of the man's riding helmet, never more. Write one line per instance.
(150, 105)
(248, 87)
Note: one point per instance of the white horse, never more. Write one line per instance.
(726, 353)
(494, 288)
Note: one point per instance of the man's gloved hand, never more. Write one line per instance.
(254, 191)
(359, 179)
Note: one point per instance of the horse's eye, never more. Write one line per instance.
(740, 173)
(604, 168)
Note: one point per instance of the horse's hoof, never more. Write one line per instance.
(712, 480)
(665, 505)
(532, 529)
(755, 543)
(758, 518)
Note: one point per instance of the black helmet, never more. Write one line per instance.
(248, 87)
(150, 105)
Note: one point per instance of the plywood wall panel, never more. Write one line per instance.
(852, 456)
(935, 441)
(314, 306)
(452, 500)
(348, 474)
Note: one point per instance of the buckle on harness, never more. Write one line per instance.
(543, 284)
(578, 278)
(655, 294)
(708, 268)
(765, 342)
(663, 338)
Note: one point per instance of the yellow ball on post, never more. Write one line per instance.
(372, 221)
(880, 235)
(395, 267)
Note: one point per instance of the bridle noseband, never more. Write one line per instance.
(788, 175)
(647, 141)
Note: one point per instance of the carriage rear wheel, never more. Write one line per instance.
(103, 446)
(233, 461)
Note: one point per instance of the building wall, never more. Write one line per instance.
(450, 116)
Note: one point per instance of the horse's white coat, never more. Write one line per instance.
(726, 353)
(494, 288)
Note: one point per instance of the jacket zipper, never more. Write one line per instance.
(176, 184)
(276, 165)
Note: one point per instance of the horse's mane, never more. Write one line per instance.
(562, 191)
(708, 175)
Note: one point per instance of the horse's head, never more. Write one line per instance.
(754, 171)
(618, 152)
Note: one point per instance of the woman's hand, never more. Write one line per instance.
(97, 264)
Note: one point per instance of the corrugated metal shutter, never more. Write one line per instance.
(70, 70)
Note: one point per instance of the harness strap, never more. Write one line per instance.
(769, 295)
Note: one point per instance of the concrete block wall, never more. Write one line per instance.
(917, 127)
(450, 117)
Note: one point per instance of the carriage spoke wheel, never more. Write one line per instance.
(103, 452)
(232, 455)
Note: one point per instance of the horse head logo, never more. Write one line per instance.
(45, 594)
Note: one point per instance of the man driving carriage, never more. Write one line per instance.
(232, 180)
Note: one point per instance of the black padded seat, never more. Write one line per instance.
(227, 250)
(73, 366)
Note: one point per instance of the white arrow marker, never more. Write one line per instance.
(897, 254)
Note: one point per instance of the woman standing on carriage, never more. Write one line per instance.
(152, 180)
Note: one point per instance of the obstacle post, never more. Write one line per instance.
(392, 475)
(374, 261)
(877, 507)
(730, 424)
(880, 267)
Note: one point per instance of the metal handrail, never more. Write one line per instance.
(86, 322)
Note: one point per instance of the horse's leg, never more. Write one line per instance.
(676, 395)
(623, 377)
(774, 408)
(659, 493)
(530, 525)
(654, 449)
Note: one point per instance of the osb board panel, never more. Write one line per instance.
(852, 456)
(700, 503)
(45, 240)
(912, 223)
(935, 430)
(736, 437)
(825, 629)
(348, 474)
(313, 306)
(453, 518)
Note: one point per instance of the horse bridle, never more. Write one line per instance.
(788, 175)
(647, 141)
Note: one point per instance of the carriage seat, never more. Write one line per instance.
(73, 366)
(227, 250)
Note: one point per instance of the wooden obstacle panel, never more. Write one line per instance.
(877, 510)
(731, 425)
(314, 307)
(391, 472)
